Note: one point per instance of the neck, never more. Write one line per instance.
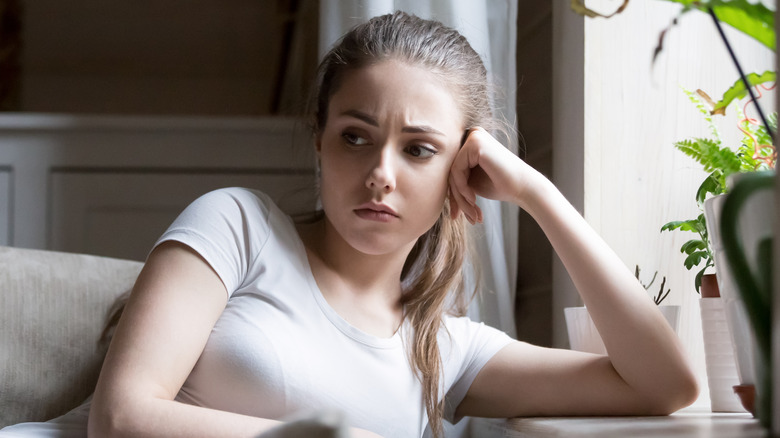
(360, 287)
(364, 272)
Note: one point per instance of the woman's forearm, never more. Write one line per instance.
(154, 417)
(171, 419)
(642, 347)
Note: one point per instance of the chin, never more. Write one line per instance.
(377, 247)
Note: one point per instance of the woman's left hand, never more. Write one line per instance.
(486, 168)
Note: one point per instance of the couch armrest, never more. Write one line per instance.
(53, 307)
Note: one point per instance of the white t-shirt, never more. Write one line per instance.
(279, 349)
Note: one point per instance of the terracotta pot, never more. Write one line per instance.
(709, 286)
(747, 396)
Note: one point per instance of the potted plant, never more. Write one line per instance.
(704, 252)
(756, 21)
(755, 153)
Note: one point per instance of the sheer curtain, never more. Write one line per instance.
(490, 26)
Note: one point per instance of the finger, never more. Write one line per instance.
(454, 208)
(459, 176)
(473, 163)
(462, 203)
(457, 201)
(459, 183)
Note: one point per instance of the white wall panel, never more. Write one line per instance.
(123, 214)
(76, 179)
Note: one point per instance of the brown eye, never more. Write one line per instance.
(354, 139)
(418, 151)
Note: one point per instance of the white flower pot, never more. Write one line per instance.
(737, 320)
(719, 357)
(746, 231)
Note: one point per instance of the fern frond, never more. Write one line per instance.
(705, 112)
(723, 159)
(720, 161)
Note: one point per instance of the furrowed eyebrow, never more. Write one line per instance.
(360, 115)
(367, 118)
(421, 130)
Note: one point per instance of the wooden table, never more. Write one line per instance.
(691, 422)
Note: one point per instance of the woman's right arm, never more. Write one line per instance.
(175, 303)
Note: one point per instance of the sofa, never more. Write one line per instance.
(53, 309)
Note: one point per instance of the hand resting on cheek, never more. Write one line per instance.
(486, 168)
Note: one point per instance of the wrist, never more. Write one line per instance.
(533, 191)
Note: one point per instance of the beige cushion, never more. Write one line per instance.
(53, 307)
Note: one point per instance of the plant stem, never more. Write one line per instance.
(741, 73)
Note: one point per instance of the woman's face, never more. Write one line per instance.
(391, 135)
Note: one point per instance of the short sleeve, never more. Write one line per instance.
(228, 228)
(469, 346)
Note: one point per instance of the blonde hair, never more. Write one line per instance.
(432, 277)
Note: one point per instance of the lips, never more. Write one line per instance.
(376, 212)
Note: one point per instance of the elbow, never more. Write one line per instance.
(686, 394)
(100, 424)
(106, 422)
(682, 393)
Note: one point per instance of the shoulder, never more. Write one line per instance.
(233, 214)
(238, 197)
(464, 339)
(229, 228)
(234, 206)
(464, 328)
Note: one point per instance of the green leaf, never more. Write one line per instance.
(697, 280)
(703, 103)
(701, 225)
(755, 20)
(712, 185)
(673, 225)
(756, 137)
(695, 258)
(689, 225)
(738, 90)
(700, 149)
(715, 158)
(692, 245)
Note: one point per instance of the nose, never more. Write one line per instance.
(381, 177)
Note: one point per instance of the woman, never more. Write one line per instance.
(241, 317)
